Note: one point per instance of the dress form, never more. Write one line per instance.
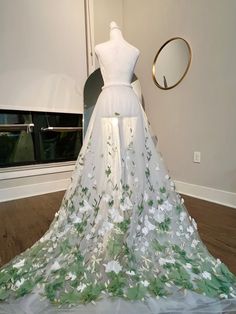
(115, 32)
(125, 53)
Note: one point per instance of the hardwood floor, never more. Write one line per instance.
(24, 221)
(217, 228)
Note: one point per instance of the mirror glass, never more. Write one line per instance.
(171, 63)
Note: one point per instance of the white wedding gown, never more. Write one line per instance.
(122, 241)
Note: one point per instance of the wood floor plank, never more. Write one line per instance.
(24, 221)
(217, 228)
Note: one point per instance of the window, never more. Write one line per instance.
(37, 137)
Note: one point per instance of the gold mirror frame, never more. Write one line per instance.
(155, 59)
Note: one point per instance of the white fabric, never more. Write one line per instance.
(179, 303)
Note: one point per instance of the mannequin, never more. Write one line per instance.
(125, 52)
(115, 32)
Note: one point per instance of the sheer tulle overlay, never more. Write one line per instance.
(122, 240)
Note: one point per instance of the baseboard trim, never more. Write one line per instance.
(24, 191)
(197, 191)
(205, 193)
(36, 170)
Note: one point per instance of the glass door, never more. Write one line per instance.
(16, 138)
(59, 136)
(36, 137)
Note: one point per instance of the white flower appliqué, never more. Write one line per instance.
(159, 216)
(70, 276)
(55, 266)
(75, 219)
(127, 204)
(190, 229)
(152, 210)
(194, 223)
(115, 216)
(113, 266)
(145, 230)
(194, 243)
(143, 249)
(182, 216)
(166, 206)
(148, 224)
(145, 197)
(19, 283)
(181, 228)
(106, 198)
(164, 261)
(172, 184)
(106, 226)
(19, 264)
(46, 237)
(206, 275)
(85, 208)
(81, 287)
(145, 283)
(131, 273)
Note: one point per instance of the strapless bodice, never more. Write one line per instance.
(117, 64)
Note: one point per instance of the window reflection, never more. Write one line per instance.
(59, 145)
(35, 137)
(17, 146)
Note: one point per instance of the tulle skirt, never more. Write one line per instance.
(122, 240)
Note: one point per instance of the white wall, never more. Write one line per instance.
(42, 67)
(43, 55)
(200, 113)
(33, 180)
(106, 11)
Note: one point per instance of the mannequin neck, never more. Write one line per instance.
(115, 34)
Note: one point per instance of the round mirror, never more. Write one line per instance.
(171, 63)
